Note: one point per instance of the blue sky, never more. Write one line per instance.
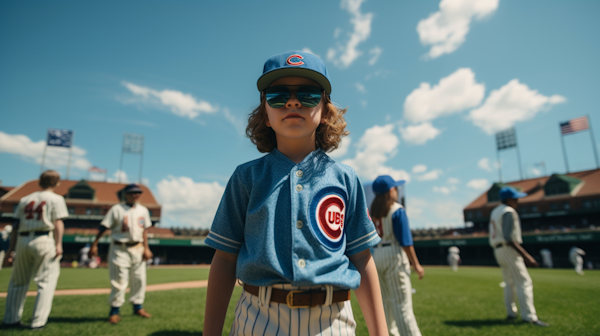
(427, 84)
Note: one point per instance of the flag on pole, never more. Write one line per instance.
(60, 138)
(95, 169)
(506, 139)
(574, 125)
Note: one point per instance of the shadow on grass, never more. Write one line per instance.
(481, 323)
(76, 319)
(175, 333)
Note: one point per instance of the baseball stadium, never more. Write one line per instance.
(315, 168)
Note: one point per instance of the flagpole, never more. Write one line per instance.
(519, 157)
(593, 141)
(499, 165)
(43, 158)
(562, 140)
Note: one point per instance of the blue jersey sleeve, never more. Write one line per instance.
(401, 228)
(360, 230)
(227, 230)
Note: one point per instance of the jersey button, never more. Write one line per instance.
(299, 224)
(301, 263)
(299, 187)
(299, 173)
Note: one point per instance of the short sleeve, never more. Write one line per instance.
(360, 230)
(147, 220)
(227, 230)
(108, 220)
(60, 209)
(507, 226)
(402, 228)
(17, 213)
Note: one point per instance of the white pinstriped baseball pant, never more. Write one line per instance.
(35, 258)
(270, 318)
(393, 269)
(518, 283)
(125, 265)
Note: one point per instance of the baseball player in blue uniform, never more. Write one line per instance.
(293, 226)
(392, 256)
(505, 238)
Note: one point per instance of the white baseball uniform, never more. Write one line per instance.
(546, 258)
(575, 258)
(393, 268)
(125, 256)
(4, 242)
(453, 258)
(35, 256)
(506, 227)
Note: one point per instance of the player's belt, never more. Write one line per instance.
(384, 244)
(126, 243)
(33, 233)
(500, 245)
(301, 299)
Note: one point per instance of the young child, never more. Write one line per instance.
(293, 226)
(392, 257)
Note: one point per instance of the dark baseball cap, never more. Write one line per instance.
(509, 192)
(383, 183)
(132, 188)
(294, 63)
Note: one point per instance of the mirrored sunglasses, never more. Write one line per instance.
(307, 95)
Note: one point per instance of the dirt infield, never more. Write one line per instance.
(149, 288)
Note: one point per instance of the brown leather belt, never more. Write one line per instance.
(301, 299)
(127, 243)
(35, 233)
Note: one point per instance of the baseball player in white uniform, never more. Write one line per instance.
(453, 257)
(392, 256)
(546, 258)
(293, 226)
(505, 238)
(128, 252)
(83, 256)
(37, 234)
(575, 258)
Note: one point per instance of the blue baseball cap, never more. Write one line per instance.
(294, 63)
(383, 183)
(132, 188)
(510, 192)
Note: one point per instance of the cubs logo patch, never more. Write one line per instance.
(295, 63)
(141, 222)
(328, 215)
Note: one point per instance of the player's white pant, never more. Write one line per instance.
(2, 254)
(453, 262)
(518, 283)
(393, 269)
(578, 263)
(271, 318)
(125, 264)
(35, 258)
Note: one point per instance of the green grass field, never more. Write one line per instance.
(468, 302)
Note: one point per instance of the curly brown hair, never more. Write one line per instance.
(327, 138)
(381, 205)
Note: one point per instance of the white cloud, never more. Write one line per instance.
(442, 190)
(455, 93)
(419, 169)
(118, 177)
(375, 53)
(179, 103)
(510, 104)
(485, 164)
(344, 55)
(342, 149)
(448, 213)
(30, 151)
(536, 172)
(419, 134)
(478, 184)
(430, 175)
(446, 30)
(310, 51)
(360, 88)
(375, 148)
(415, 207)
(188, 203)
(427, 213)
(453, 180)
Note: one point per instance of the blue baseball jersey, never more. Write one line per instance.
(294, 223)
(401, 228)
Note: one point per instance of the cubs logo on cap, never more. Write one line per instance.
(295, 63)
(327, 217)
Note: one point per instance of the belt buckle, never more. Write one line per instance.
(289, 299)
